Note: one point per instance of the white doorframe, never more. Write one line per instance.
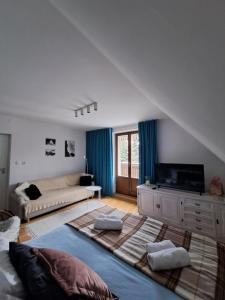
(5, 143)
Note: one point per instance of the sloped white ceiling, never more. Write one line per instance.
(48, 68)
(173, 52)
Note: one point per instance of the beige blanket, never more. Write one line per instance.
(204, 279)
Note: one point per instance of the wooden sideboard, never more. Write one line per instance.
(203, 214)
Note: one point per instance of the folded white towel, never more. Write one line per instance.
(154, 247)
(108, 224)
(105, 216)
(168, 259)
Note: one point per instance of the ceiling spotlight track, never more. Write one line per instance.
(86, 108)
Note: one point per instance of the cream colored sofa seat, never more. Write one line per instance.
(56, 192)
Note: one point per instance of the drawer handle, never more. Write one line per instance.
(158, 205)
(199, 228)
(197, 212)
(198, 220)
(197, 204)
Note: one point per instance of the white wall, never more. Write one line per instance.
(28, 145)
(175, 145)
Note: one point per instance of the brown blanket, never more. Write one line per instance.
(204, 279)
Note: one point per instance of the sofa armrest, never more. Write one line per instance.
(17, 204)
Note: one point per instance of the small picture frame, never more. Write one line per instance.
(50, 152)
(69, 148)
(50, 142)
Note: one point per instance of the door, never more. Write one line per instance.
(220, 222)
(146, 203)
(127, 163)
(169, 207)
(4, 169)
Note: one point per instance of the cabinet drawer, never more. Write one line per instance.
(198, 220)
(211, 231)
(198, 212)
(198, 204)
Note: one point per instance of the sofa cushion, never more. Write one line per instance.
(33, 192)
(54, 183)
(49, 184)
(72, 180)
(57, 197)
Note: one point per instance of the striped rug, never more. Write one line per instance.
(204, 279)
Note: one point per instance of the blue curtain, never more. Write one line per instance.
(99, 153)
(147, 150)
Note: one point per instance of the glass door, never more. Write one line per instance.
(127, 163)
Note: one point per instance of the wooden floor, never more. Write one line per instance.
(122, 203)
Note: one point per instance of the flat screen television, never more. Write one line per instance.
(181, 176)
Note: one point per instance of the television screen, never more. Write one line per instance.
(181, 176)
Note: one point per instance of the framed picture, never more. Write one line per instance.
(50, 142)
(69, 148)
(50, 152)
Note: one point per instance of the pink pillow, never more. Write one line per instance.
(73, 276)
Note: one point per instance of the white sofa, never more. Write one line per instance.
(56, 192)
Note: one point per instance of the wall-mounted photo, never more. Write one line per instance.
(69, 148)
(50, 152)
(50, 142)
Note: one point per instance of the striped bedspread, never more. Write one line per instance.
(204, 279)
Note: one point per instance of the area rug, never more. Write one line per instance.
(38, 228)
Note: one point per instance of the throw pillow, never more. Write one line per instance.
(9, 229)
(10, 282)
(33, 192)
(36, 279)
(4, 244)
(73, 276)
(6, 224)
(20, 190)
(86, 180)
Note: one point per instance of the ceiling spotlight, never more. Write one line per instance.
(86, 108)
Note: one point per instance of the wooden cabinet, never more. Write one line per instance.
(201, 214)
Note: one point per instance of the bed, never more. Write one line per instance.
(120, 257)
(124, 280)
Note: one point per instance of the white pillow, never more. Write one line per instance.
(12, 226)
(10, 283)
(20, 190)
(4, 244)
